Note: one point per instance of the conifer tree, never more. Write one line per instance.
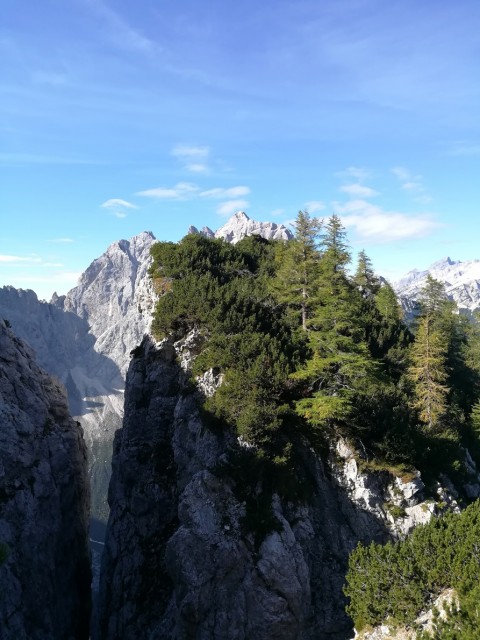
(340, 364)
(365, 277)
(387, 303)
(298, 266)
(428, 371)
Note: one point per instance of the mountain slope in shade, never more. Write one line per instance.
(44, 503)
(240, 225)
(85, 339)
(461, 279)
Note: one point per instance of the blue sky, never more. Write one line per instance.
(118, 117)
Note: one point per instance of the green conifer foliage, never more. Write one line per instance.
(365, 277)
(396, 581)
(340, 364)
(428, 373)
(297, 267)
(387, 303)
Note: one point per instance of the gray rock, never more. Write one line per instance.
(44, 496)
(240, 225)
(85, 339)
(180, 561)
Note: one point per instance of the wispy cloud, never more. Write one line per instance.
(181, 191)
(121, 32)
(357, 190)
(197, 167)
(312, 206)
(7, 259)
(375, 224)
(62, 240)
(114, 203)
(190, 151)
(408, 180)
(193, 158)
(231, 192)
(34, 158)
(277, 213)
(118, 207)
(231, 206)
(357, 173)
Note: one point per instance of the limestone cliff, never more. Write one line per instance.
(44, 494)
(179, 560)
(85, 339)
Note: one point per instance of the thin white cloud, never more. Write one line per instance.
(119, 214)
(357, 190)
(181, 191)
(62, 240)
(408, 180)
(314, 205)
(16, 260)
(231, 192)
(114, 203)
(121, 33)
(191, 152)
(194, 158)
(375, 224)
(277, 213)
(357, 173)
(197, 167)
(231, 206)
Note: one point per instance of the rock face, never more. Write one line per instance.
(240, 225)
(44, 495)
(461, 279)
(85, 339)
(179, 562)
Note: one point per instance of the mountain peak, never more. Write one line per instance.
(239, 225)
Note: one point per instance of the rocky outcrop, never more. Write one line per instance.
(180, 561)
(397, 501)
(240, 225)
(44, 494)
(85, 339)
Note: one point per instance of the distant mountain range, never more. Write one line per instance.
(461, 280)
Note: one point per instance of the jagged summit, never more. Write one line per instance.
(240, 225)
(461, 279)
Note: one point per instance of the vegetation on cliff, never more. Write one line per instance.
(397, 581)
(309, 350)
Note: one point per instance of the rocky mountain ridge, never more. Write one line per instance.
(461, 279)
(240, 225)
(85, 339)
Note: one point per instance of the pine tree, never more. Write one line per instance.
(298, 266)
(365, 277)
(387, 303)
(428, 372)
(340, 364)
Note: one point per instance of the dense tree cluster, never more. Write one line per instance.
(396, 581)
(309, 350)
